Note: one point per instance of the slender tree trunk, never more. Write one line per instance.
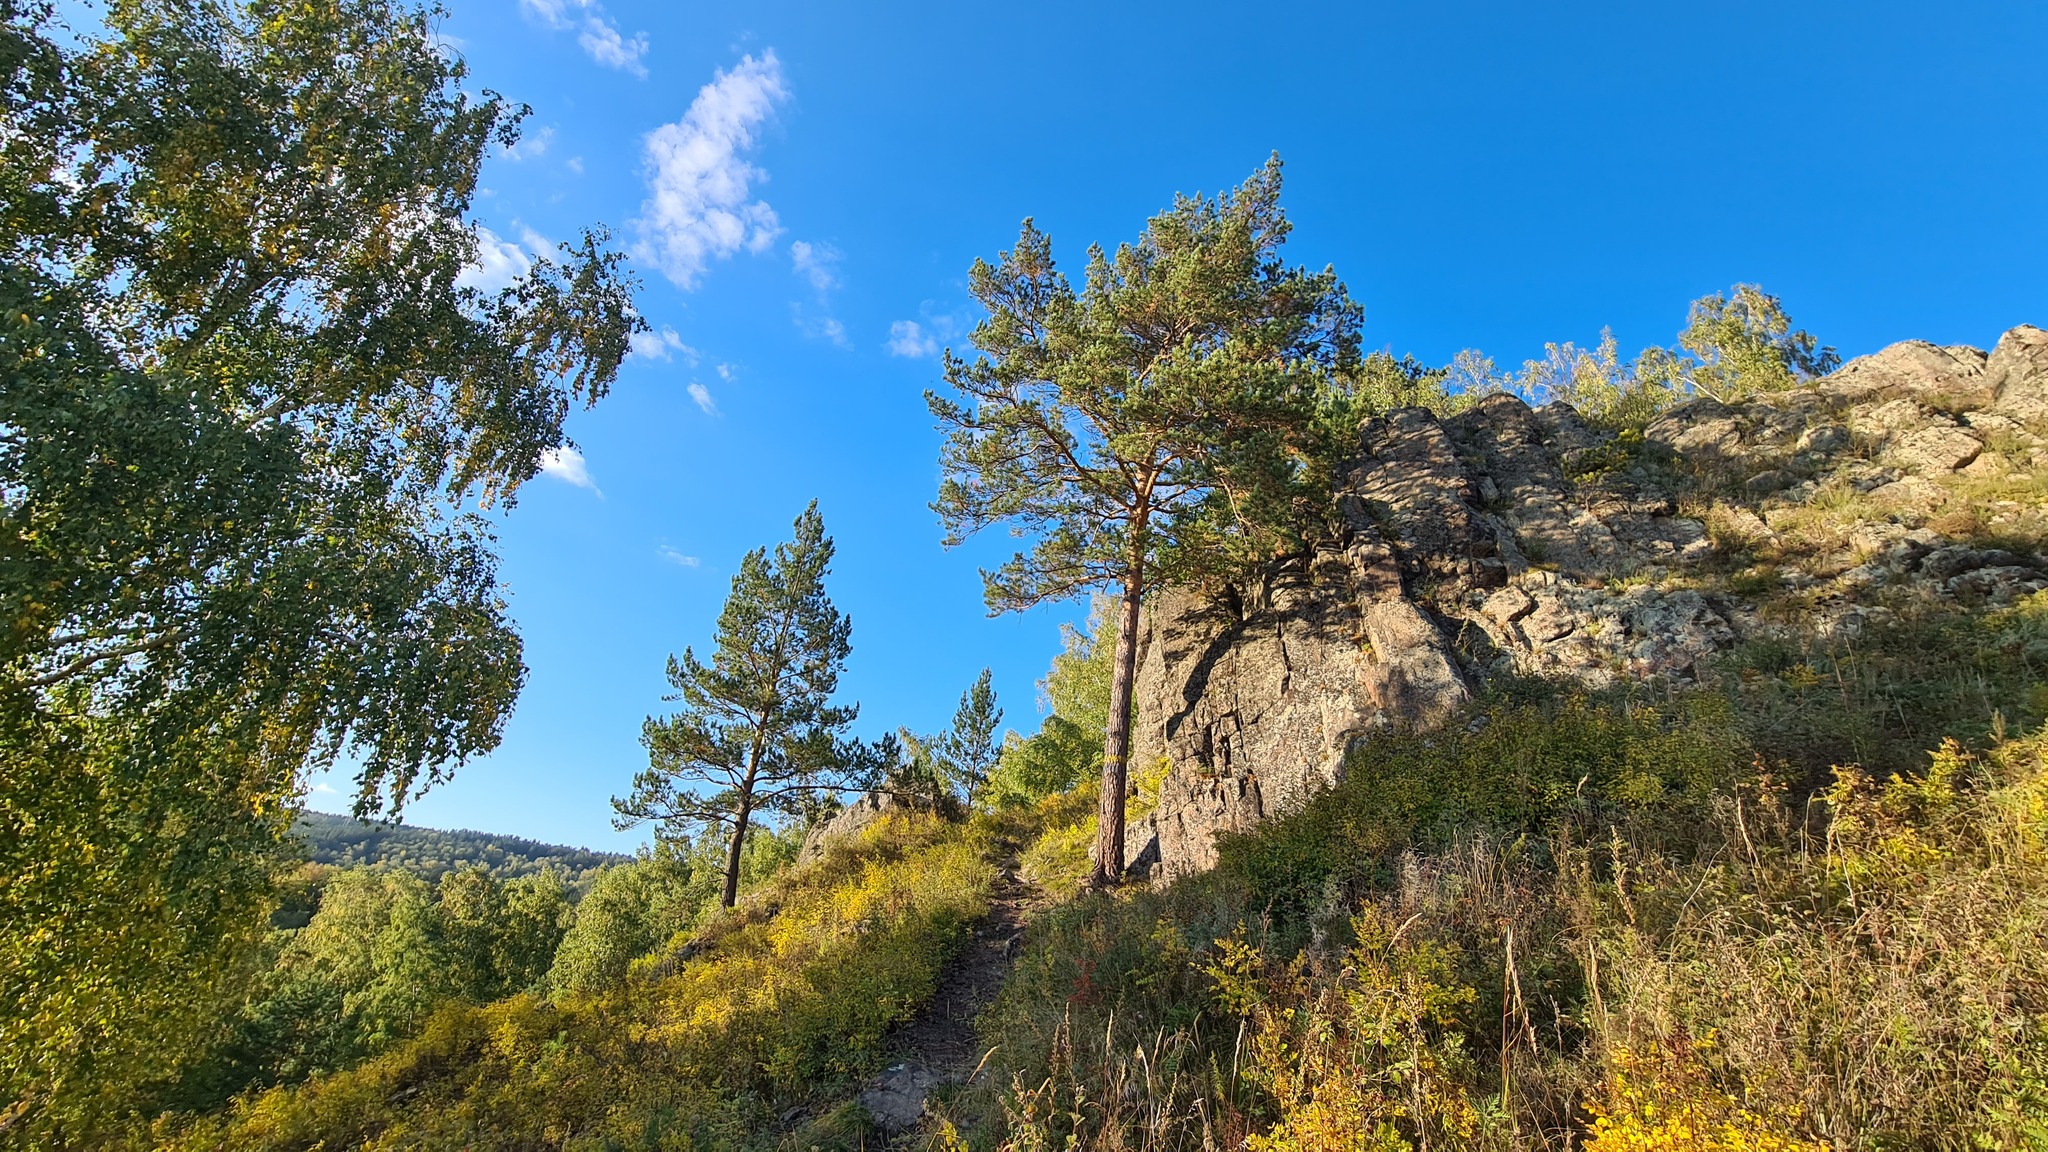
(739, 824)
(1116, 739)
(732, 851)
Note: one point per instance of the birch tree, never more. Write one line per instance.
(254, 393)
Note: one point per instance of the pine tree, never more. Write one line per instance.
(1161, 424)
(970, 749)
(757, 733)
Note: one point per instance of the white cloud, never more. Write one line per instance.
(553, 13)
(534, 241)
(574, 164)
(727, 372)
(698, 180)
(325, 789)
(908, 338)
(531, 147)
(677, 558)
(815, 327)
(499, 264)
(566, 464)
(922, 338)
(702, 396)
(663, 344)
(817, 263)
(600, 38)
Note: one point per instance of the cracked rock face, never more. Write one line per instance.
(1504, 539)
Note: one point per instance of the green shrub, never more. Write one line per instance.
(1529, 754)
(1067, 749)
(1057, 857)
(1606, 921)
(1881, 977)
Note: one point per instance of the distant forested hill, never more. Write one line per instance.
(344, 842)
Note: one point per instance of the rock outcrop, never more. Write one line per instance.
(845, 824)
(1512, 539)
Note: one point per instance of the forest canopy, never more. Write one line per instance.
(429, 853)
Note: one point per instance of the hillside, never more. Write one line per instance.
(1592, 752)
(1677, 785)
(429, 853)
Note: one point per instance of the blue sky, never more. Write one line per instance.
(804, 186)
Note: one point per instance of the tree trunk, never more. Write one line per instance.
(1116, 739)
(732, 851)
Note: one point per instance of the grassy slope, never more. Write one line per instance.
(1630, 920)
(779, 1005)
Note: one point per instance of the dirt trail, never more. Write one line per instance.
(939, 1045)
(942, 1037)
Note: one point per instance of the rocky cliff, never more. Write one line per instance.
(1510, 539)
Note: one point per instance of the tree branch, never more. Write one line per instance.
(91, 658)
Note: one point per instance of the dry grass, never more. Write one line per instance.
(1426, 961)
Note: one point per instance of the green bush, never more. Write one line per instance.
(1659, 910)
(381, 952)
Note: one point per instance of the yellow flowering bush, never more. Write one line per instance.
(1672, 1105)
(1360, 1063)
